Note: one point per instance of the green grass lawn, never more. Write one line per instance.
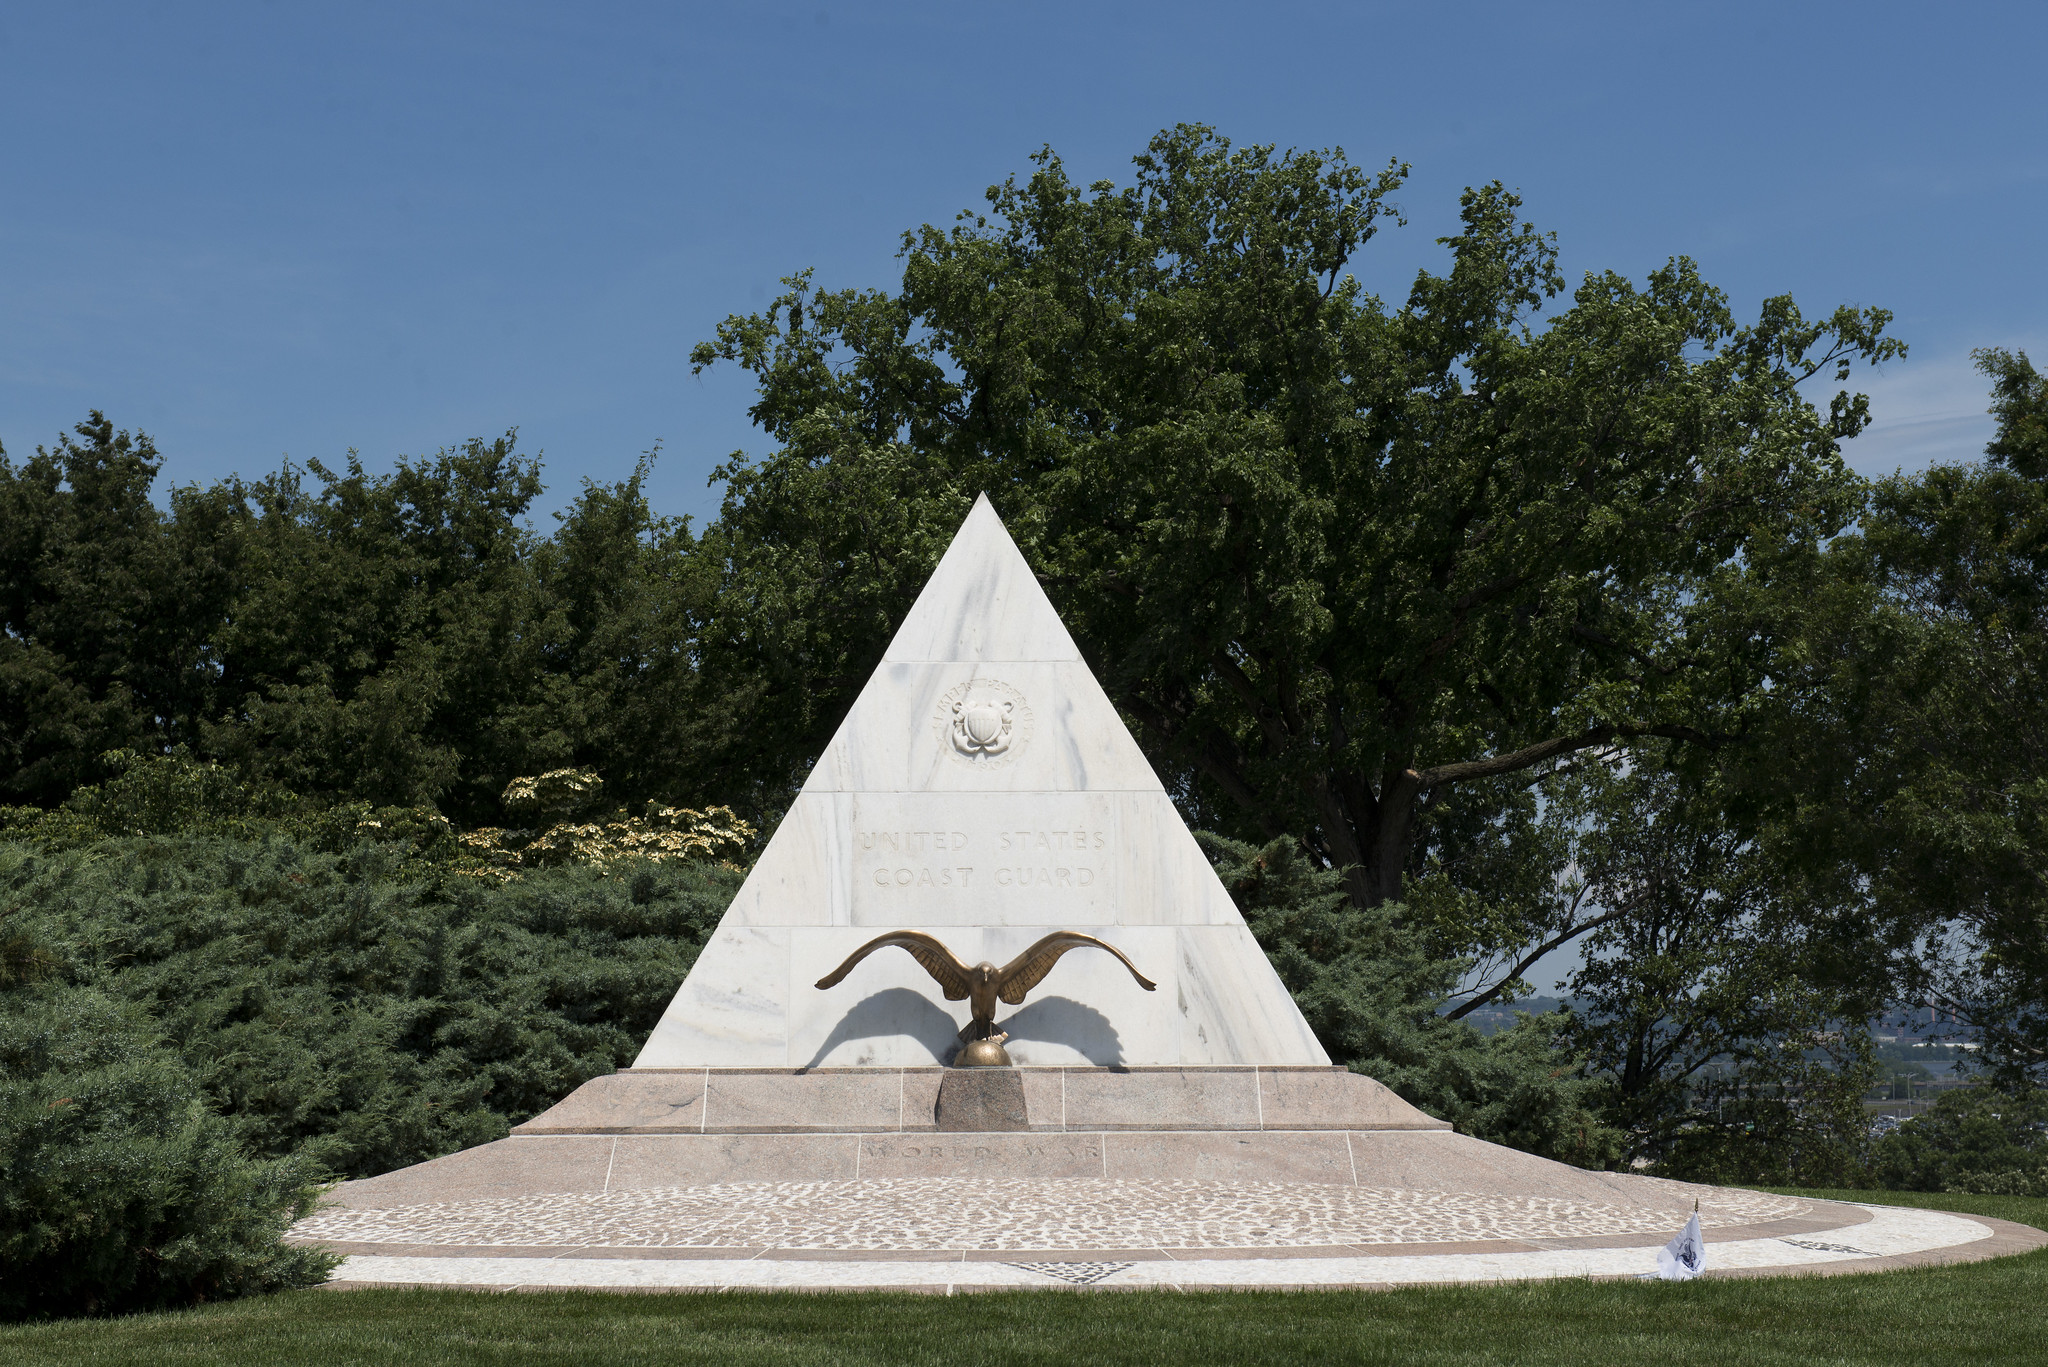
(1992, 1312)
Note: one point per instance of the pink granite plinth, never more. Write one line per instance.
(901, 1100)
(981, 1100)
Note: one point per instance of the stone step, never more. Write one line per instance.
(907, 1100)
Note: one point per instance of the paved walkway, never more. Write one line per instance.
(969, 1214)
(960, 1234)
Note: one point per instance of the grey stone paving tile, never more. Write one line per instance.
(1021, 1214)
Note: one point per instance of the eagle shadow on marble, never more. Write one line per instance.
(888, 1014)
(898, 1012)
(1064, 1021)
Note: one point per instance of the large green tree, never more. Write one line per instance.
(397, 637)
(1338, 560)
(1727, 1042)
(382, 625)
(108, 605)
(1915, 721)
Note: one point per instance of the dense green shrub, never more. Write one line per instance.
(120, 1187)
(362, 1008)
(1769, 1138)
(1974, 1139)
(213, 997)
(1372, 994)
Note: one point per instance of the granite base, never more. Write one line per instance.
(906, 1100)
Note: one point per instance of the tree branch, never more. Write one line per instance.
(1216, 767)
(1601, 638)
(1564, 936)
(1549, 749)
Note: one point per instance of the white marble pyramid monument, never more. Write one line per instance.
(775, 1136)
(983, 789)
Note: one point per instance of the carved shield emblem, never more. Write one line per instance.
(982, 726)
(983, 722)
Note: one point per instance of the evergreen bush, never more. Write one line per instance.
(120, 1187)
(1373, 995)
(214, 998)
(363, 1008)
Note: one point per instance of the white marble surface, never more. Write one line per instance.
(1890, 1231)
(1065, 860)
(892, 740)
(971, 859)
(733, 1007)
(982, 603)
(1231, 1004)
(1056, 821)
(804, 876)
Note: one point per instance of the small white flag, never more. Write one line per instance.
(1682, 1258)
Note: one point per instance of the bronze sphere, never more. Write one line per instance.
(982, 1053)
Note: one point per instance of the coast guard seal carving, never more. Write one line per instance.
(983, 723)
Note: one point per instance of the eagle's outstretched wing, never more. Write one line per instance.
(1028, 969)
(938, 961)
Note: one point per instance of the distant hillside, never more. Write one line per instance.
(1490, 1018)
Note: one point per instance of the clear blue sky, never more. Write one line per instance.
(260, 229)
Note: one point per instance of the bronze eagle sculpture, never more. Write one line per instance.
(983, 984)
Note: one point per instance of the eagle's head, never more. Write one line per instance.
(983, 974)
